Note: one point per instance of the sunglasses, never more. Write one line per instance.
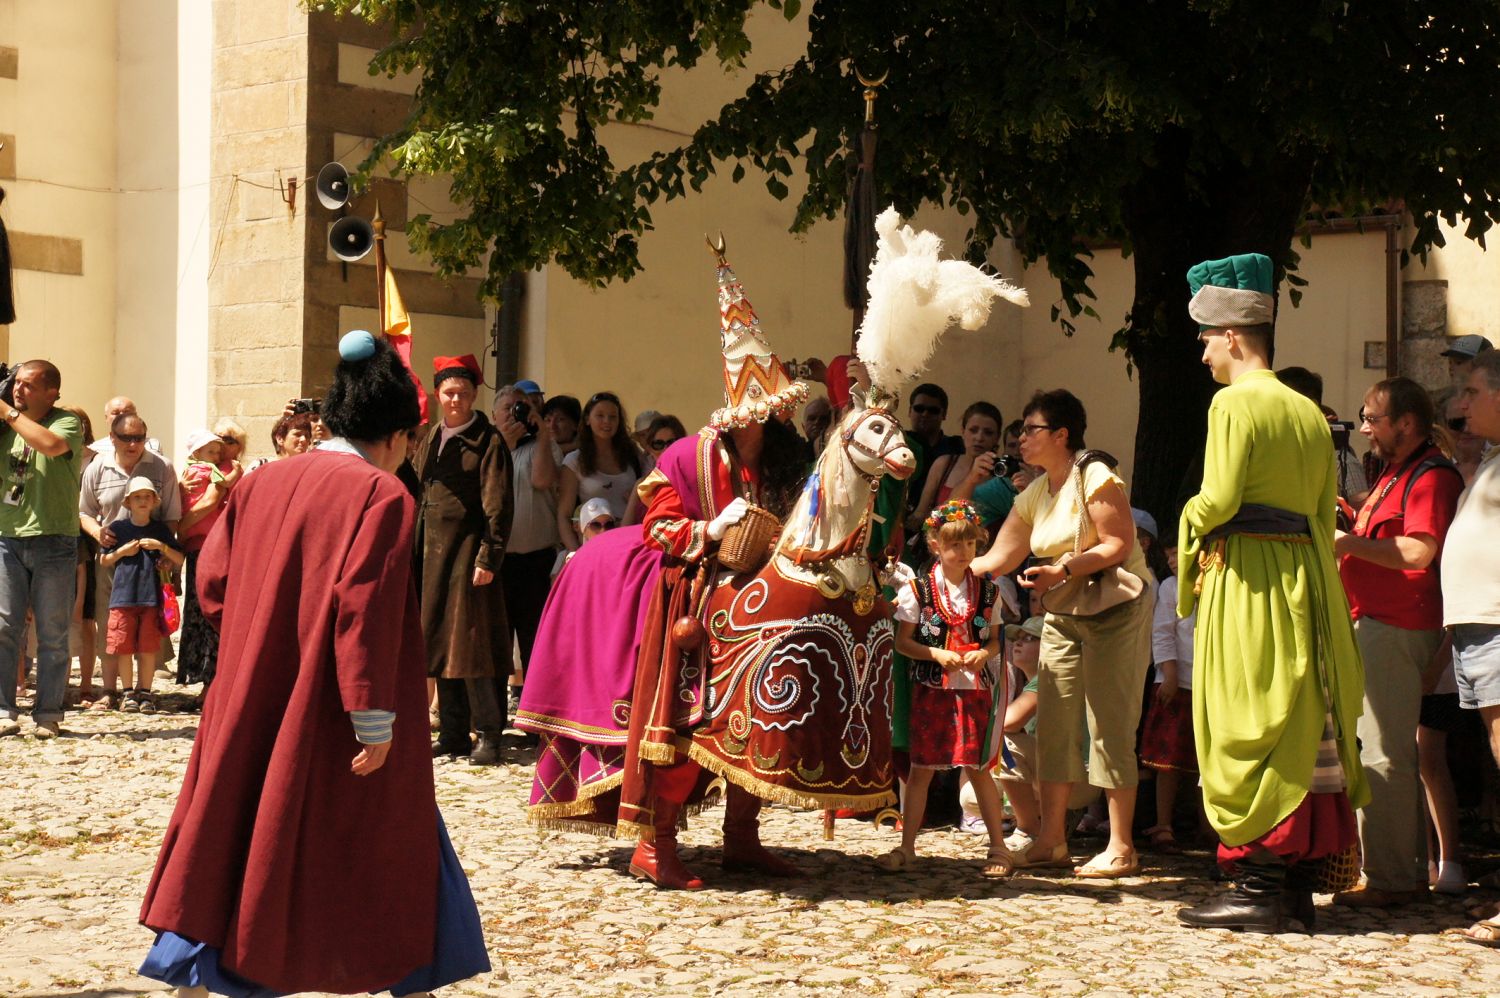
(660, 444)
(603, 397)
(131, 438)
(227, 439)
(599, 525)
(927, 410)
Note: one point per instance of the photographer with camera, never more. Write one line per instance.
(526, 572)
(38, 538)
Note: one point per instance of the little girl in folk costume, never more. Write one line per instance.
(948, 627)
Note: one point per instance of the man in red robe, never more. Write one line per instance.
(305, 852)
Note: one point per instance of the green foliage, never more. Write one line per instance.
(1218, 123)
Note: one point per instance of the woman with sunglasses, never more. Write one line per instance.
(663, 432)
(1092, 667)
(607, 465)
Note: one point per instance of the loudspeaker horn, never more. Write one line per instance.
(332, 186)
(351, 238)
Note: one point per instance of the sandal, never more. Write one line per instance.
(1484, 933)
(999, 864)
(1106, 867)
(148, 702)
(1163, 840)
(1483, 912)
(131, 704)
(896, 860)
(1056, 858)
(108, 700)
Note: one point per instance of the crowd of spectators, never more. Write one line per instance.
(92, 533)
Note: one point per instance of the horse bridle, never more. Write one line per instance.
(893, 427)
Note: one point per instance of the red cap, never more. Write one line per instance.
(467, 361)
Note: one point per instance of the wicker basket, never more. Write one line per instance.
(1339, 872)
(747, 544)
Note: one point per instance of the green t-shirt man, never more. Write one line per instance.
(39, 494)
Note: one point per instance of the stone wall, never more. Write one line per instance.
(259, 111)
(1424, 327)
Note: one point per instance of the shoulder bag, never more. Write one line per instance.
(1088, 595)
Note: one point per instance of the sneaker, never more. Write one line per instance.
(971, 823)
(46, 731)
(1019, 843)
(1451, 879)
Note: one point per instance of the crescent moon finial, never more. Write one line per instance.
(716, 247)
(869, 82)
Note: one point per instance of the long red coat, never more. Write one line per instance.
(307, 877)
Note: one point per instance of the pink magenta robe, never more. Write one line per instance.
(307, 877)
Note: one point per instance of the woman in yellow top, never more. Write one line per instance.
(1091, 667)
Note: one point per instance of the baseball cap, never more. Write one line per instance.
(1032, 626)
(528, 387)
(1144, 521)
(643, 420)
(140, 483)
(593, 510)
(1467, 347)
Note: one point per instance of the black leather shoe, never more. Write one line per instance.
(486, 752)
(1235, 910)
(440, 748)
(1297, 895)
(1254, 904)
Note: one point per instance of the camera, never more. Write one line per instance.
(314, 406)
(521, 413)
(1341, 429)
(1006, 466)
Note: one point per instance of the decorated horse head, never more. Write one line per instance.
(798, 693)
(825, 538)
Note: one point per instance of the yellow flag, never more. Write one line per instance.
(395, 321)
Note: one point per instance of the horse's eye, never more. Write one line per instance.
(878, 427)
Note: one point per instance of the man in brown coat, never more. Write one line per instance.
(464, 467)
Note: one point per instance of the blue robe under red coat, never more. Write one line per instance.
(305, 876)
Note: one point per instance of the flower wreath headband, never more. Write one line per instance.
(951, 512)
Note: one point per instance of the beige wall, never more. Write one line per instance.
(128, 178)
(67, 73)
(654, 339)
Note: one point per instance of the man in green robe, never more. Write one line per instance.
(1277, 678)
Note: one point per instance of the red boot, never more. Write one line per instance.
(742, 848)
(657, 861)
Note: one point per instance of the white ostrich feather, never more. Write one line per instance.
(915, 297)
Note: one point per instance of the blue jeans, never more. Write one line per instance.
(39, 574)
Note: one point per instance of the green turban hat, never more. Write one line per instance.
(1234, 291)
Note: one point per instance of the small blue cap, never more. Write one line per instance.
(357, 344)
(528, 387)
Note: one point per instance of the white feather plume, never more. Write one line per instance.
(915, 297)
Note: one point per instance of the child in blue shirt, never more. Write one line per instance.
(135, 604)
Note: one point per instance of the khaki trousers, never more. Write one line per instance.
(1392, 827)
(1093, 669)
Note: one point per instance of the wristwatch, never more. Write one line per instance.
(1067, 570)
(12, 414)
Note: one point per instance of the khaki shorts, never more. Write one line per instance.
(1091, 677)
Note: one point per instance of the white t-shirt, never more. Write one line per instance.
(613, 489)
(1470, 568)
(534, 524)
(1171, 635)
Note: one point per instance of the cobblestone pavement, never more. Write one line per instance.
(81, 819)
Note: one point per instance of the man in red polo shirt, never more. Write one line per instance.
(1389, 565)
